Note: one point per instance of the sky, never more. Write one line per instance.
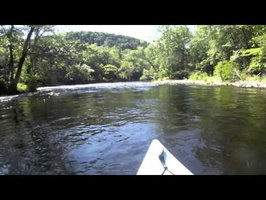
(144, 32)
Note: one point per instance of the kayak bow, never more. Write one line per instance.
(159, 161)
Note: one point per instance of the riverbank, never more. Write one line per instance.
(244, 84)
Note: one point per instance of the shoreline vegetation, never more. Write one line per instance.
(33, 56)
(242, 84)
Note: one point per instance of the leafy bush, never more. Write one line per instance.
(227, 71)
(199, 76)
(258, 60)
(31, 82)
(180, 74)
(126, 70)
(110, 72)
(22, 88)
(79, 74)
(257, 65)
(148, 75)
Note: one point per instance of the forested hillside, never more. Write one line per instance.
(108, 40)
(33, 56)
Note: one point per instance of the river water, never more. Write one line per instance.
(103, 129)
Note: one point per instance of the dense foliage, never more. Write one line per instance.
(228, 52)
(108, 40)
(33, 56)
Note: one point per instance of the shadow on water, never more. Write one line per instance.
(107, 130)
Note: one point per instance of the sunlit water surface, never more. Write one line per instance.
(106, 128)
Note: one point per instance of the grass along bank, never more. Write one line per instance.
(204, 79)
(246, 84)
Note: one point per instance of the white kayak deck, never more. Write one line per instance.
(152, 165)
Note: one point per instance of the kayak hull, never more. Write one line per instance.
(151, 164)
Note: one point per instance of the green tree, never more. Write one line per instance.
(17, 48)
(173, 47)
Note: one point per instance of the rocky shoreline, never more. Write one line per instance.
(244, 84)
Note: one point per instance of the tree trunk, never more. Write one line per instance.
(11, 59)
(182, 62)
(148, 60)
(21, 60)
(11, 63)
(246, 39)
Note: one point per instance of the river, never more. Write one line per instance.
(104, 129)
